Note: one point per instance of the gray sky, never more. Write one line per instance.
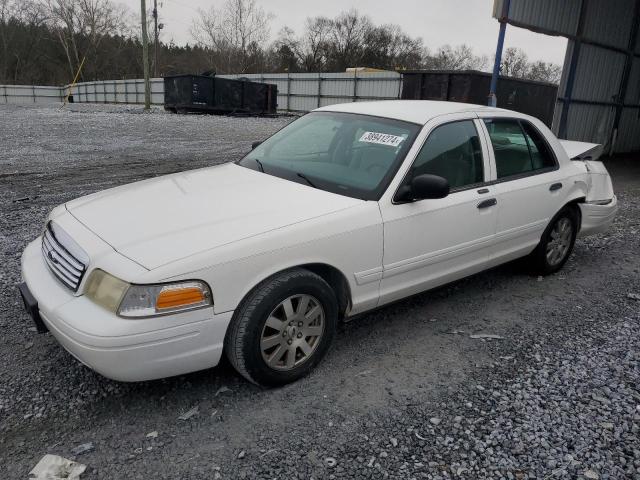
(438, 22)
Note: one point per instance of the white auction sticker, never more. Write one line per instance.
(381, 138)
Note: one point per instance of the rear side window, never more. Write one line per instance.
(541, 156)
(518, 148)
(452, 151)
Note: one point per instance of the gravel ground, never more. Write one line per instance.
(404, 393)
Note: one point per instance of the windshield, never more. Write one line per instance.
(349, 154)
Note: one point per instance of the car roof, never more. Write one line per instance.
(415, 111)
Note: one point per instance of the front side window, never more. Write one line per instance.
(452, 151)
(350, 154)
(518, 148)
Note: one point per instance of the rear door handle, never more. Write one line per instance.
(555, 186)
(489, 202)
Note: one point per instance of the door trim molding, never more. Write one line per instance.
(438, 256)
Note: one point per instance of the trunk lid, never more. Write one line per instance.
(581, 150)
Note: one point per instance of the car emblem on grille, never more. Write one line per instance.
(52, 257)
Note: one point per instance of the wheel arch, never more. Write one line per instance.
(336, 280)
(334, 277)
(575, 204)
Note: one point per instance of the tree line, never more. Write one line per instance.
(47, 41)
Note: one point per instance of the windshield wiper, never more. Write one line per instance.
(259, 164)
(306, 179)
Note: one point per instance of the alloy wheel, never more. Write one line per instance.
(292, 332)
(559, 241)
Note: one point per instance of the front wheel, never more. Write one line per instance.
(556, 243)
(283, 328)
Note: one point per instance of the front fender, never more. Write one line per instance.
(351, 241)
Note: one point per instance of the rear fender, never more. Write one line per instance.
(577, 191)
(600, 186)
(598, 182)
(599, 205)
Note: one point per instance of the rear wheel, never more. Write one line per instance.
(283, 328)
(556, 243)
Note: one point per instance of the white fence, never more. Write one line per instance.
(296, 91)
(117, 91)
(306, 91)
(25, 94)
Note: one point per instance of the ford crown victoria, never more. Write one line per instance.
(346, 209)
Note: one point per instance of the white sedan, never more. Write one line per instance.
(346, 209)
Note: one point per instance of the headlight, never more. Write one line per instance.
(106, 290)
(136, 301)
(150, 300)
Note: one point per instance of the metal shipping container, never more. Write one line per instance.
(469, 86)
(201, 93)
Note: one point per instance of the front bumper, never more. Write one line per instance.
(123, 349)
(597, 218)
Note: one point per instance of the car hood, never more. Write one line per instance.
(164, 219)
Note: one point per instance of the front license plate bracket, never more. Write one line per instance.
(31, 307)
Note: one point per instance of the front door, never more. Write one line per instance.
(431, 242)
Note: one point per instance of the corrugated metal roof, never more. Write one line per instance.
(609, 22)
(628, 139)
(598, 74)
(590, 123)
(599, 71)
(633, 86)
(606, 21)
(553, 16)
(565, 68)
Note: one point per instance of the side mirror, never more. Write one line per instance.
(423, 187)
(255, 144)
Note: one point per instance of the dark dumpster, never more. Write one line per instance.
(470, 86)
(211, 94)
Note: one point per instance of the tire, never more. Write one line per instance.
(556, 243)
(283, 328)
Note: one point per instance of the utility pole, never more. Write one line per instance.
(155, 42)
(145, 55)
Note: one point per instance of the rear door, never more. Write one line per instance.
(528, 184)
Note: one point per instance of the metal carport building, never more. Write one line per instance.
(599, 95)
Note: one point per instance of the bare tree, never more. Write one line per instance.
(544, 72)
(515, 63)
(311, 49)
(10, 11)
(20, 35)
(80, 25)
(387, 46)
(460, 57)
(347, 38)
(232, 33)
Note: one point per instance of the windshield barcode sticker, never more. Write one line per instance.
(381, 138)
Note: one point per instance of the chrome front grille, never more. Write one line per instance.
(66, 267)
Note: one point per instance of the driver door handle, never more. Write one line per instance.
(489, 202)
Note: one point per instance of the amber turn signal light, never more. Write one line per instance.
(179, 297)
